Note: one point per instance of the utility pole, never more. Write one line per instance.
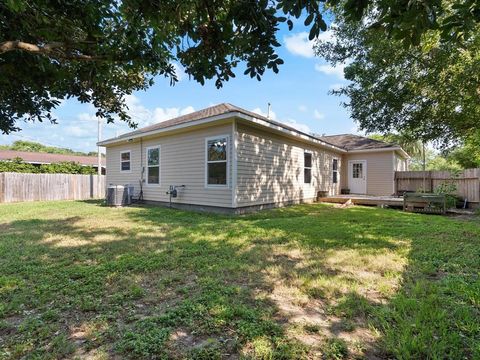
(99, 156)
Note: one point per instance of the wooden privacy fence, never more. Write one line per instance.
(17, 187)
(467, 182)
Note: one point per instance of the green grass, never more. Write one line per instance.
(81, 280)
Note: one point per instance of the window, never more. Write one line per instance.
(335, 171)
(307, 168)
(125, 161)
(217, 161)
(357, 170)
(153, 165)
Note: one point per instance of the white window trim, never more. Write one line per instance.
(337, 171)
(217, 186)
(130, 161)
(159, 165)
(306, 167)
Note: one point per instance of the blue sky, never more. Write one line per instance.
(298, 95)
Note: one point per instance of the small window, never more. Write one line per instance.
(125, 161)
(153, 165)
(335, 171)
(357, 170)
(217, 161)
(307, 168)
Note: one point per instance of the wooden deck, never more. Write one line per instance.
(392, 201)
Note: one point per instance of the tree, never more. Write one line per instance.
(98, 51)
(412, 146)
(431, 91)
(31, 146)
(467, 155)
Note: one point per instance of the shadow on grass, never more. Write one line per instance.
(157, 282)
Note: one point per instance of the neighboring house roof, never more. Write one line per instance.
(342, 143)
(356, 142)
(46, 158)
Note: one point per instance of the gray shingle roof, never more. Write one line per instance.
(356, 142)
(344, 141)
(211, 111)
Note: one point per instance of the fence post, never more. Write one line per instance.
(431, 180)
(2, 187)
(395, 189)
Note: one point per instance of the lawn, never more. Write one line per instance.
(80, 280)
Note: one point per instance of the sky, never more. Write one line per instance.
(298, 95)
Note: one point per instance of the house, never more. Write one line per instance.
(39, 158)
(231, 159)
(374, 158)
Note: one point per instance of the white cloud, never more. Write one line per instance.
(187, 110)
(296, 125)
(161, 114)
(86, 117)
(298, 44)
(77, 131)
(318, 115)
(289, 122)
(144, 116)
(259, 111)
(139, 113)
(302, 108)
(331, 70)
(77, 126)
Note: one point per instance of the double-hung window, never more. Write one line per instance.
(125, 160)
(153, 165)
(217, 161)
(335, 171)
(307, 168)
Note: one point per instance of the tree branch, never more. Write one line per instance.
(53, 49)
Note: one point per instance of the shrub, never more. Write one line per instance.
(64, 167)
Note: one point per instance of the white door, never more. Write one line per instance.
(357, 176)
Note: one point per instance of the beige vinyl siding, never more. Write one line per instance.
(113, 173)
(270, 168)
(182, 162)
(400, 163)
(380, 171)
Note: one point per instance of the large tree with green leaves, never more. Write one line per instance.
(430, 90)
(100, 50)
